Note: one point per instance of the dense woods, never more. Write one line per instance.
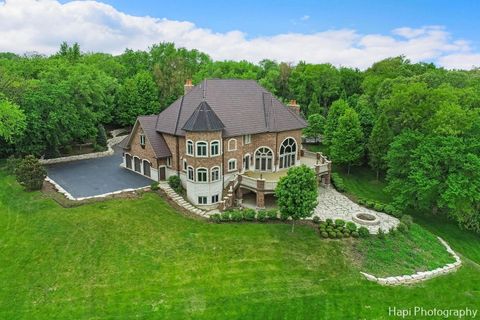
(414, 123)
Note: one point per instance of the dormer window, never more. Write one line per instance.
(142, 141)
(247, 139)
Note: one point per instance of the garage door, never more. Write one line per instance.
(137, 164)
(146, 168)
(128, 161)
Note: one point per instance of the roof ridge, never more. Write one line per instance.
(178, 115)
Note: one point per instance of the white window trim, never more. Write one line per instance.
(206, 200)
(245, 139)
(188, 176)
(184, 165)
(218, 198)
(196, 149)
(234, 161)
(280, 156)
(219, 148)
(169, 162)
(143, 140)
(196, 175)
(219, 173)
(193, 148)
(228, 145)
(255, 159)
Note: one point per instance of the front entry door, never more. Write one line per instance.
(161, 172)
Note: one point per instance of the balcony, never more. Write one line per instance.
(267, 181)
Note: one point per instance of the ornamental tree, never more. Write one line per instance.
(30, 173)
(334, 113)
(297, 193)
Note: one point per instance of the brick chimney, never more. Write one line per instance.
(188, 86)
(294, 106)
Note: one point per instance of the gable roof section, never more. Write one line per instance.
(156, 140)
(242, 106)
(203, 119)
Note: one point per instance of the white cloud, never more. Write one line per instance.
(305, 18)
(29, 25)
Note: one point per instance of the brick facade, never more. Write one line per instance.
(146, 152)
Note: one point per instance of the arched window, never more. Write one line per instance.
(202, 149)
(288, 153)
(214, 148)
(263, 159)
(232, 144)
(190, 147)
(202, 175)
(215, 174)
(190, 173)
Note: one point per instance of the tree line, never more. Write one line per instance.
(414, 123)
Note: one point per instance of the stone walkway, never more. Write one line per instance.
(334, 205)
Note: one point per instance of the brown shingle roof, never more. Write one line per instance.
(148, 124)
(243, 106)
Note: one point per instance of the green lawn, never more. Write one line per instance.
(141, 259)
(401, 253)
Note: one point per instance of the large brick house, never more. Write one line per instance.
(213, 136)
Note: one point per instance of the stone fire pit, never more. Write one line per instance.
(366, 218)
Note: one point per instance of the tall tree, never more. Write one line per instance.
(316, 124)
(378, 144)
(12, 120)
(297, 193)
(336, 111)
(138, 96)
(314, 106)
(347, 144)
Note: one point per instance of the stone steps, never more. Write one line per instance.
(181, 201)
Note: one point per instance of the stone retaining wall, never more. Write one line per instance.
(419, 276)
(111, 142)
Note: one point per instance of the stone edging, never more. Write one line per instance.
(419, 276)
(70, 197)
(110, 142)
(182, 202)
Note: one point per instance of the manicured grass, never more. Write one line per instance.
(140, 259)
(401, 253)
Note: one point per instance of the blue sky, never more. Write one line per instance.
(266, 18)
(344, 33)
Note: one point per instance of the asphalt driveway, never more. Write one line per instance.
(87, 178)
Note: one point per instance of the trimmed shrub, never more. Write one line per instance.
(283, 217)
(154, 186)
(316, 220)
(249, 214)
(390, 209)
(262, 215)
(30, 173)
(339, 235)
(329, 222)
(216, 217)
(272, 214)
(407, 219)
(379, 206)
(324, 234)
(392, 231)
(370, 204)
(236, 215)
(363, 232)
(101, 139)
(225, 216)
(355, 234)
(402, 227)
(381, 234)
(346, 234)
(351, 226)
(338, 182)
(339, 223)
(361, 201)
(175, 183)
(332, 235)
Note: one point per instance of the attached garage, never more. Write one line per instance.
(137, 164)
(146, 168)
(128, 161)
